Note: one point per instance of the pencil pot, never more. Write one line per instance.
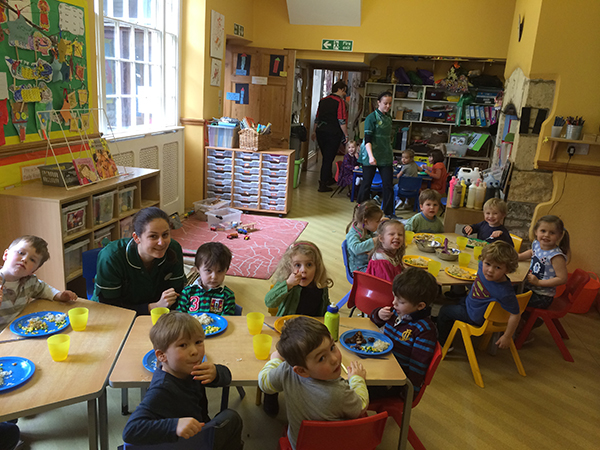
(574, 132)
(556, 131)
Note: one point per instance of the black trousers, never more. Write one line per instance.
(329, 143)
(387, 178)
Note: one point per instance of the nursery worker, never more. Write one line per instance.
(143, 272)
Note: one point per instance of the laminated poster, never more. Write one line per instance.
(242, 67)
(86, 171)
(276, 65)
(242, 90)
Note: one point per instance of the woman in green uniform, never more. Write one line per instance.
(376, 153)
(143, 272)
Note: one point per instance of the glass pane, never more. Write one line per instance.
(133, 6)
(125, 41)
(110, 77)
(105, 7)
(126, 112)
(172, 16)
(139, 116)
(111, 111)
(126, 78)
(148, 7)
(139, 75)
(154, 47)
(139, 45)
(109, 39)
(117, 8)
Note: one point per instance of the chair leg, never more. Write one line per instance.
(336, 190)
(258, 397)
(472, 357)
(449, 340)
(558, 339)
(526, 330)
(485, 341)
(560, 328)
(344, 300)
(414, 440)
(225, 398)
(241, 391)
(352, 311)
(515, 355)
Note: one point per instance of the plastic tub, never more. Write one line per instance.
(73, 217)
(585, 300)
(101, 234)
(73, 258)
(220, 153)
(201, 207)
(126, 227)
(275, 158)
(456, 150)
(103, 207)
(126, 199)
(224, 216)
(223, 136)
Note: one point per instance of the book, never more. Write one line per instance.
(86, 170)
(106, 167)
(477, 116)
(482, 115)
(472, 114)
(467, 116)
(488, 116)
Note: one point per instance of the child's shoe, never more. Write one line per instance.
(271, 404)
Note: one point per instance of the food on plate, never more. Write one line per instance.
(205, 319)
(370, 345)
(58, 319)
(208, 329)
(424, 237)
(356, 338)
(461, 273)
(34, 325)
(417, 261)
(377, 347)
(4, 374)
(476, 243)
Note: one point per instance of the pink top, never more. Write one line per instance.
(380, 266)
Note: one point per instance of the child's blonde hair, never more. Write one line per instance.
(501, 252)
(383, 226)
(284, 268)
(496, 203)
(170, 327)
(349, 143)
(363, 211)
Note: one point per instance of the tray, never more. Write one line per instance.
(367, 334)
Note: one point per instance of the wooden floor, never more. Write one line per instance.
(556, 406)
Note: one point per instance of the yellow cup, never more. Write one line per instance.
(477, 252)
(262, 346)
(464, 259)
(157, 312)
(78, 318)
(433, 267)
(58, 345)
(462, 242)
(255, 322)
(408, 237)
(439, 238)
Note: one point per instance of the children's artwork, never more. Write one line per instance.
(23, 70)
(78, 49)
(3, 16)
(20, 32)
(242, 67)
(56, 72)
(71, 19)
(3, 120)
(83, 96)
(64, 49)
(217, 35)
(215, 72)
(74, 125)
(42, 117)
(242, 89)
(105, 164)
(24, 8)
(86, 171)
(72, 99)
(276, 65)
(19, 114)
(85, 121)
(44, 10)
(26, 93)
(3, 86)
(41, 43)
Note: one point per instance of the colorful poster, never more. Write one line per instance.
(242, 67)
(217, 35)
(71, 19)
(276, 65)
(242, 90)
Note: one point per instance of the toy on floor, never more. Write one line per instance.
(247, 228)
(232, 236)
(246, 238)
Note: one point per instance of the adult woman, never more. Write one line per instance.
(376, 153)
(143, 272)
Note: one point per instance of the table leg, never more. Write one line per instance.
(143, 393)
(225, 398)
(124, 402)
(92, 424)
(103, 420)
(353, 187)
(408, 399)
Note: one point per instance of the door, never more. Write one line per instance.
(263, 80)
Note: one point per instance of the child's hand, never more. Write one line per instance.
(497, 234)
(356, 167)
(64, 296)
(313, 136)
(399, 175)
(468, 230)
(532, 279)
(205, 372)
(356, 368)
(504, 341)
(294, 279)
(276, 354)
(167, 298)
(188, 427)
(385, 313)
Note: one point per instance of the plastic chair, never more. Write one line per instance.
(377, 183)
(89, 261)
(338, 171)
(559, 308)
(395, 406)
(369, 292)
(349, 275)
(410, 187)
(364, 433)
(517, 241)
(201, 441)
(496, 319)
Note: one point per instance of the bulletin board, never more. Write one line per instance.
(45, 64)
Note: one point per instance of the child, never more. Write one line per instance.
(491, 285)
(437, 171)
(301, 282)
(307, 367)
(427, 220)
(359, 238)
(18, 284)
(207, 293)
(409, 169)
(408, 324)
(386, 257)
(492, 228)
(175, 405)
(348, 165)
(549, 253)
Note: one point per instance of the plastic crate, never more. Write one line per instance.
(73, 258)
(223, 136)
(219, 161)
(201, 207)
(51, 174)
(217, 153)
(103, 207)
(268, 179)
(226, 217)
(225, 168)
(101, 234)
(126, 227)
(456, 150)
(275, 158)
(412, 116)
(73, 217)
(126, 199)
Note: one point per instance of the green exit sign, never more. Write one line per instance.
(337, 45)
(238, 30)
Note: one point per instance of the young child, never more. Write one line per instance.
(437, 171)
(175, 405)
(491, 285)
(349, 163)
(492, 228)
(18, 284)
(208, 293)
(359, 234)
(427, 221)
(409, 169)
(386, 257)
(307, 367)
(549, 253)
(301, 282)
(408, 324)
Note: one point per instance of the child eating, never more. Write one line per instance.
(427, 220)
(360, 239)
(492, 228)
(386, 258)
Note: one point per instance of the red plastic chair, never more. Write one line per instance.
(395, 406)
(338, 171)
(559, 308)
(358, 434)
(369, 292)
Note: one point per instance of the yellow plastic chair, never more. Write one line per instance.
(496, 319)
(517, 241)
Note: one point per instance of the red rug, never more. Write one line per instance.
(255, 258)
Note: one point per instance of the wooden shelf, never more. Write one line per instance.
(74, 236)
(556, 143)
(74, 275)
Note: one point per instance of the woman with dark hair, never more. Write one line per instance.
(144, 272)
(376, 153)
(437, 171)
(331, 130)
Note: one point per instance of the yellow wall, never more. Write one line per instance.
(520, 54)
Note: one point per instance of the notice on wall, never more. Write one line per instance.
(259, 80)
(3, 86)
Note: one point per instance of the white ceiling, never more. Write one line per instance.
(324, 12)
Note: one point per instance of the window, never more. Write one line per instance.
(141, 53)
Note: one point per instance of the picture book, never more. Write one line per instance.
(105, 164)
(86, 170)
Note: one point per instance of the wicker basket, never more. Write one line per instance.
(251, 140)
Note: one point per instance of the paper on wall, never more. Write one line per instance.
(22, 5)
(71, 19)
(3, 86)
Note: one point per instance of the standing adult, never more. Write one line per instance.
(376, 153)
(331, 130)
(145, 271)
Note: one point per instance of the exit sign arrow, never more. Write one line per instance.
(337, 45)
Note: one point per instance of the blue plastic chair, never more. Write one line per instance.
(410, 187)
(201, 441)
(349, 275)
(377, 183)
(89, 261)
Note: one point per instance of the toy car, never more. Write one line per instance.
(232, 236)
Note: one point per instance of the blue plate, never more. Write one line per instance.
(22, 370)
(149, 361)
(17, 325)
(367, 334)
(218, 321)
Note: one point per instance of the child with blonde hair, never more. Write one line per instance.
(386, 257)
(348, 164)
(360, 238)
(492, 228)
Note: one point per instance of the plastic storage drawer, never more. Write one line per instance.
(221, 195)
(266, 201)
(220, 153)
(245, 198)
(246, 186)
(246, 178)
(246, 192)
(210, 181)
(220, 168)
(272, 207)
(219, 189)
(73, 258)
(245, 204)
(246, 164)
(73, 217)
(273, 180)
(273, 193)
(275, 158)
(246, 156)
(219, 161)
(218, 175)
(275, 165)
(100, 235)
(126, 199)
(126, 226)
(247, 171)
(103, 207)
(274, 173)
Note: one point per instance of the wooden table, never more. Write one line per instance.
(233, 348)
(81, 377)
(357, 173)
(446, 280)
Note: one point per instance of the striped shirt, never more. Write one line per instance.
(195, 299)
